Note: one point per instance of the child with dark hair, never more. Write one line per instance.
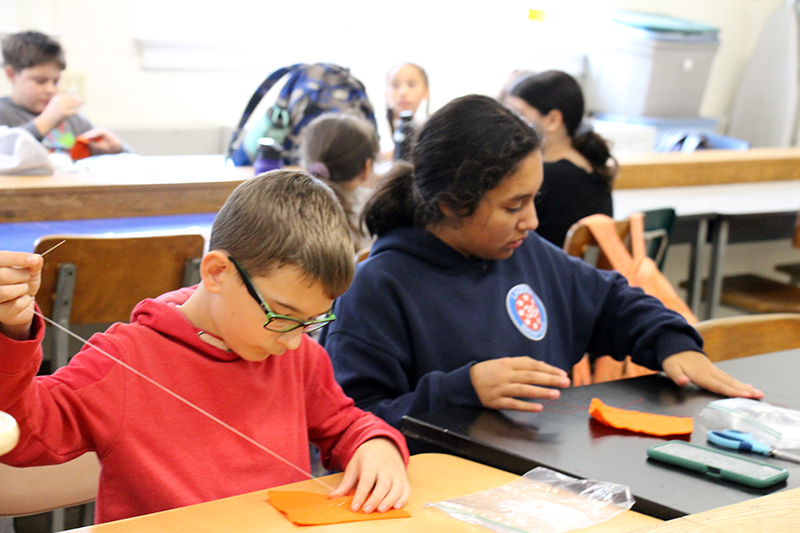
(341, 150)
(33, 65)
(406, 89)
(462, 304)
(578, 166)
(235, 346)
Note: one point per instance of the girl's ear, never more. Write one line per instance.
(215, 269)
(367, 176)
(553, 121)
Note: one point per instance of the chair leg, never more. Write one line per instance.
(59, 520)
(87, 514)
(62, 308)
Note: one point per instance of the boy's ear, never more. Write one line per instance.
(215, 268)
(10, 73)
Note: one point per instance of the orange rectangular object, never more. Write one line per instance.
(652, 424)
(313, 509)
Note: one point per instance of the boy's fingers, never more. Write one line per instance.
(19, 259)
(380, 490)
(365, 485)
(393, 497)
(345, 486)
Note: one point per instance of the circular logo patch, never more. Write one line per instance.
(527, 312)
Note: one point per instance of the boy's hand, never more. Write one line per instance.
(20, 276)
(694, 367)
(102, 141)
(376, 467)
(58, 108)
(500, 382)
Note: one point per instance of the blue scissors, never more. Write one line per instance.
(738, 440)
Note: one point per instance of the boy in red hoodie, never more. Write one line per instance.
(235, 346)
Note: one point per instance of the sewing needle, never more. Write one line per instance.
(52, 248)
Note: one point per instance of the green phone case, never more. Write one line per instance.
(718, 464)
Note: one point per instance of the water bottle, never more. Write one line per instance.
(268, 156)
(403, 136)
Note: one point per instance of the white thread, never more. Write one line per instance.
(185, 401)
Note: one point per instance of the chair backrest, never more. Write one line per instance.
(97, 279)
(658, 225)
(580, 242)
(743, 336)
(114, 273)
(38, 489)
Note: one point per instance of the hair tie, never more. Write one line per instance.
(320, 170)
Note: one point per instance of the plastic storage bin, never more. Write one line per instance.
(652, 65)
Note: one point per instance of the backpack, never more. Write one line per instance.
(309, 91)
(640, 271)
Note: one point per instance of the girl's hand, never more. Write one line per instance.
(500, 383)
(694, 367)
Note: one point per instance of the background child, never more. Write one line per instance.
(341, 150)
(33, 65)
(234, 346)
(578, 166)
(406, 88)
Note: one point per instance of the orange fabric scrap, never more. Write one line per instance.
(649, 423)
(80, 150)
(313, 509)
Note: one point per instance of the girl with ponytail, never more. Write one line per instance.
(578, 166)
(340, 149)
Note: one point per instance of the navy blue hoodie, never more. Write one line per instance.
(419, 314)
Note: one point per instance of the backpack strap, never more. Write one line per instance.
(604, 230)
(258, 95)
(637, 234)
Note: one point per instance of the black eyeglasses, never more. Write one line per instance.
(275, 322)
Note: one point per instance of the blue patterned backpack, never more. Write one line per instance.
(309, 91)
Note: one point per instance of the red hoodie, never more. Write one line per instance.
(156, 452)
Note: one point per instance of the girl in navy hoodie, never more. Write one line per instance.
(461, 303)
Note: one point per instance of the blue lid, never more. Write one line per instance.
(662, 24)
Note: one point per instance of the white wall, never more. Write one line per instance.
(466, 47)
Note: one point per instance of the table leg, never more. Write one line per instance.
(695, 277)
(718, 243)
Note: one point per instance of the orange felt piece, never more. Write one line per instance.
(649, 423)
(80, 150)
(313, 509)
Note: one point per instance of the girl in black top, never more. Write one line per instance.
(578, 166)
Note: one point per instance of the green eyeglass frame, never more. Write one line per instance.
(275, 322)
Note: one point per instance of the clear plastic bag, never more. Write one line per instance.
(541, 501)
(776, 426)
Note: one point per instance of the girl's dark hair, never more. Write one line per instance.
(335, 148)
(389, 111)
(554, 89)
(463, 151)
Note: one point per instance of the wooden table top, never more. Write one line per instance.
(776, 512)
(132, 187)
(433, 477)
(707, 167)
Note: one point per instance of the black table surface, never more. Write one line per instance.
(565, 438)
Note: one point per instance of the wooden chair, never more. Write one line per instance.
(96, 279)
(759, 294)
(743, 336)
(580, 242)
(39, 489)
